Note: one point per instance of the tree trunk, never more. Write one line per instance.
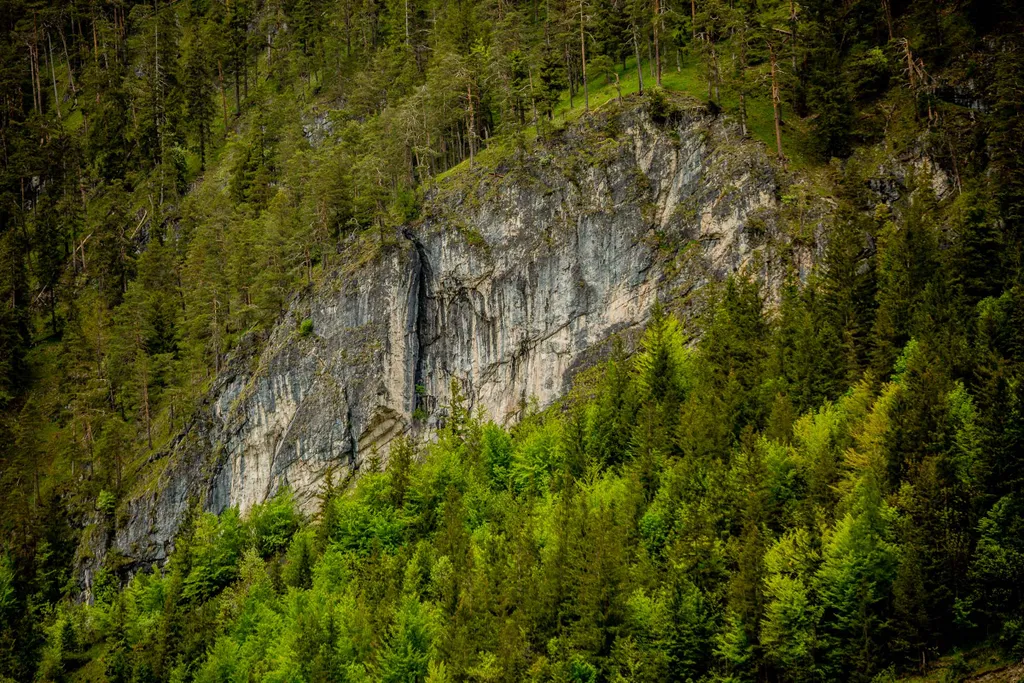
(95, 44)
(776, 101)
(472, 121)
(568, 72)
(216, 338)
(657, 43)
(887, 10)
(743, 114)
(583, 58)
(742, 84)
(223, 95)
(238, 100)
(53, 76)
(910, 63)
(533, 98)
(792, 29)
(71, 75)
(639, 66)
(35, 57)
(145, 388)
(32, 78)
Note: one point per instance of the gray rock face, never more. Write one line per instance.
(512, 281)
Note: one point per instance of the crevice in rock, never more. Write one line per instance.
(423, 278)
(353, 439)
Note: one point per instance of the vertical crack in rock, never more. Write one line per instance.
(353, 457)
(421, 264)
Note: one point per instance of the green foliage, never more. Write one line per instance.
(788, 632)
(999, 560)
(298, 569)
(491, 553)
(497, 452)
(855, 576)
(410, 643)
(106, 502)
(273, 523)
(8, 596)
(536, 458)
(214, 550)
(662, 364)
(823, 485)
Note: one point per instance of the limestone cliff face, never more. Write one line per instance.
(515, 277)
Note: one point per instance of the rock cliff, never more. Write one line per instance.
(515, 276)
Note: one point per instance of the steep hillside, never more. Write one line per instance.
(519, 274)
(584, 340)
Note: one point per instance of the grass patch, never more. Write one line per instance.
(687, 78)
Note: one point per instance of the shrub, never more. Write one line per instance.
(497, 452)
(216, 547)
(273, 523)
(106, 502)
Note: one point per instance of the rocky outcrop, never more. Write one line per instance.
(515, 277)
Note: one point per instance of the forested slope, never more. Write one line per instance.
(818, 481)
(518, 274)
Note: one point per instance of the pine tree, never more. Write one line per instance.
(1008, 136)
(906, 264)
(613, 413)
(853, 582)
(14, 317)
(788, 633)
(198, 96)
(827, 94)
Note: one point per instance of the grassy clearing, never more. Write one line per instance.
(687, 78)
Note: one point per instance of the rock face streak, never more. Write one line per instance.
(514, 279)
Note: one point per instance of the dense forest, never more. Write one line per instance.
(821, 483)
